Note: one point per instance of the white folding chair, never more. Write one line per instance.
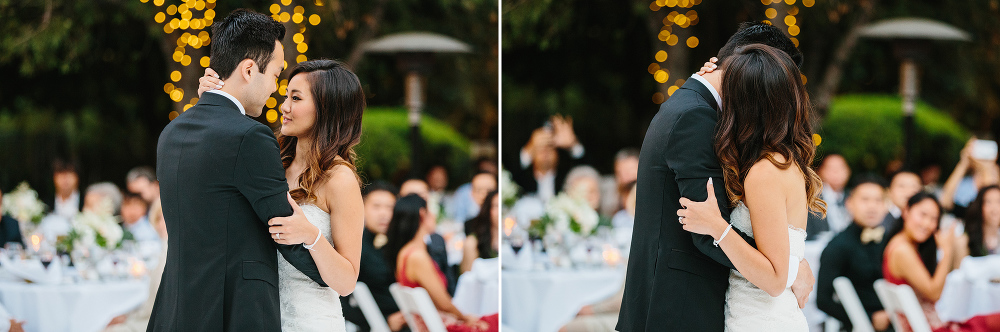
(901, 299)
(402, 301)
(852, 304)
(370, 309)
(423, 304)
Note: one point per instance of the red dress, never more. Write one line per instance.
(983, 323)
(492, 321)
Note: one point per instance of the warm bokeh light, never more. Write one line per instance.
(271, 102)
(508, 225)
(661, 56)
(175, 76)
(301, 58)
(314, 19)
(672, 40)
(173, 115)
(692, 42)
(790, 20)
(793, 30)
(658, 98)
(671, 90)
(272, 116)
(771, 13)
(817, 139)
(661, 76)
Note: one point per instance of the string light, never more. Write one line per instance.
(682, 19)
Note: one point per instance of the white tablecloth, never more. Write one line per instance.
(544, 301)
(85, 307)
(969, 293)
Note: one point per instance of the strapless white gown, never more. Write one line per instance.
(749, 308)
(305, 306)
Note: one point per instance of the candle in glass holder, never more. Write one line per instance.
(36, 242)
(612, 256)
(138, 269)
(508, 225)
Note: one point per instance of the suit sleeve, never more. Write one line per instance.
(690, 154)
(261, 179)
(831, 266)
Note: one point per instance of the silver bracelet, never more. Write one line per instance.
(716, 242)
(318, 235)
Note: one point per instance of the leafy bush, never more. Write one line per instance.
(867, 130)
(384, 152)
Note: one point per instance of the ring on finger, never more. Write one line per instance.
(278, 236)
(680, 219)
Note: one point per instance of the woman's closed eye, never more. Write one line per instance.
(296, 98)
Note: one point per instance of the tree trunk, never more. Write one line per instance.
(357, 53)
(834, 70)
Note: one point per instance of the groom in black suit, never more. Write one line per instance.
(221, 180)
(677, 280)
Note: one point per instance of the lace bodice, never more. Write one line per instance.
(305, 306)
(749, 308)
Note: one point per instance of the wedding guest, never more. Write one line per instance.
(482, 240)
(856, 253)
(436, 244)
(911, 258)
(414, 267)
(982, 226)
(583, 182)
(379, 199)
(415, 186)
(465, 204)
(437, 179)
(598, 317)
(929, 176)
(10, 230)
(102, 198)
(137, 320)
(142, 181)
(614, 194)
(134, 219)
(543, 163)
(960, 189)
(625, 218)
(904, 184)
(834, 172)
(487, 164)
(67, 201)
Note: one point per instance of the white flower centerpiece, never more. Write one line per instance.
(92, 229)
(23, 204)
(564, 213)
(508, 188)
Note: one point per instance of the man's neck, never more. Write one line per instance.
(65, 196)
(715, 79)
(235, 92)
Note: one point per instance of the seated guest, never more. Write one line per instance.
(834, 172)
(407, 251)
(982, 226)
(142, 181)
(584, 183)
(437, 180)
(481, 239)
(465, 203)
(102, 198)
(902, 186)
(911, 259)
(856, 253)
(137, 320)
(134, 219)
(614, 191)
(10, 230)
(625, 218)
(67, 202)
(541, 166)
(968, 177)
(436, 244)
(379, 199)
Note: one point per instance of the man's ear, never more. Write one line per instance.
(246, 68)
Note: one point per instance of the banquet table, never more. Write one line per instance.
(964, 297)
(81, 307)
(544, 301)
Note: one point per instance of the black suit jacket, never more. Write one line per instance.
(10, 231)
(676, 280)
(438, 249)
(525, 177)
(378, 275)
(221, 180)
(862, 263)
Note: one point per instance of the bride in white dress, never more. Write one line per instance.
(765, 147)
(321, 123)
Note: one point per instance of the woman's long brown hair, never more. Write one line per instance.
(340, 103)
(765, 109)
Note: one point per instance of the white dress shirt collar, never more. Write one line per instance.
(233, 99)
(718, 99)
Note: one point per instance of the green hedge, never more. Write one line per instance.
(384, 152)
(867, 129)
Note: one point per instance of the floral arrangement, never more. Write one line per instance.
(565, 213)
(91, 229)
(23, 204)
(508, 188)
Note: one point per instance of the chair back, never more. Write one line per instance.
(852, 304)
(370, 309)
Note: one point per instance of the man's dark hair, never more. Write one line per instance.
(244, 34)
(760, 33)
(379, 185)
(64, 166)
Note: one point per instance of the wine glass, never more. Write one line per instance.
(517, 240)
(15, 250)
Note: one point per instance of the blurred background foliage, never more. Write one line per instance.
(84, 80)
(592, 60)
